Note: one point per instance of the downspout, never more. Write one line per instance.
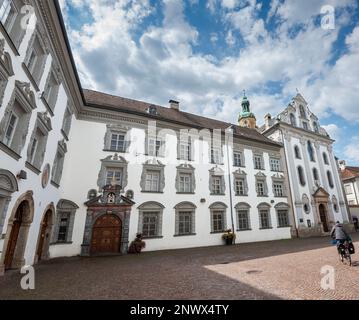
(289, 186)
(230, 189)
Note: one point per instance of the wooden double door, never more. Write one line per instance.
(44, 240)
(323, 217)
(14, 235)
(106, 235)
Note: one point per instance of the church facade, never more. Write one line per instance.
(82, 172)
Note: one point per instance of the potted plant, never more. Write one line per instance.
(229, 237)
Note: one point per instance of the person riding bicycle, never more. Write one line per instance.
(339, 234)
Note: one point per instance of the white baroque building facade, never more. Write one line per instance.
(317, 194)
(82, 172)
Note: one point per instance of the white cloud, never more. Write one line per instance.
(333, 130)
(351, 151)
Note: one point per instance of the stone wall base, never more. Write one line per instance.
(2, 269)
(305, 232)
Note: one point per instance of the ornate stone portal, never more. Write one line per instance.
(107, 223)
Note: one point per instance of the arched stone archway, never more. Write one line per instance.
(19, 224)
(44, 238)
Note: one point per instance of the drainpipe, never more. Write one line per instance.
(289, 185)
(230, 186)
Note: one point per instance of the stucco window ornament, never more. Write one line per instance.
(240, 183)
(282, 210)
(52, 87)
(185, 179)
(11, 19)
(65, 219)
(185, 219)
(261, 184)
(36, 56)
(265, 221)
(278, 185)
(153, 176)
(58, 165)
(218, 217)
(243, 216)
(66, 122)
(150, 219)
(113, 170)
(117, 138)
(38, 141)
(216, 181)
(8, 185)
(6, 70)
(14, 125)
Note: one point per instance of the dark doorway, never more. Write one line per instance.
(44, 240)
(323, 217)
(14, 235)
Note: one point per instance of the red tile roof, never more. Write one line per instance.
(99, 99)
(349, 173)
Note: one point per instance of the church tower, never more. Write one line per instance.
(246, 117)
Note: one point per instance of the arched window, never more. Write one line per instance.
(315, 174)
(315, 126)
(325, 158)
(306, 204)
(311, 151)
(302, 112)
(293, 121)
(185, 219)
(150, 219)
(218, 217)
(330, 179)
(297, 152)
(301, 176)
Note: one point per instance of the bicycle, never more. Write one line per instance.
(344, 253)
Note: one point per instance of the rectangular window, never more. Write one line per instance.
(260, 189)
(240, 187)
(36, 59)
(118, 142)
(305, 126)
(63, 227)
(216, 156)
(10, 130)
(348, 189)
(275, 165)
(150, 224)
(185, 223)
(154, 147)
(237, 159)
(114, 175)
(258, 163)
(278, 189)
(7, 14)
(217, 185)
(185, 151)
(33, 150)
(283, 218)
(243, 220)
(185, 182)
(264, 219)
(152, 181)
(218, 221)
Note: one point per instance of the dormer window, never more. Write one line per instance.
(302, 112)
(152, 110)
(293, 121)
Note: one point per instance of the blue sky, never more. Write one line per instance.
(204, 53)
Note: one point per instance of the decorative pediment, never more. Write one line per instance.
(5, 59)
(216, 171)
(45, 120)
(278, 176)
(260, 174)
(115, 158)
(25, 94)
(281, 205)
(321, 193)
(67, 205)
(62, 146)
(154, 162)
(8, 182)
(239, 173)
(109, 198)
(185, 166)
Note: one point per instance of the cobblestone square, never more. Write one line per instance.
(288, 269)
